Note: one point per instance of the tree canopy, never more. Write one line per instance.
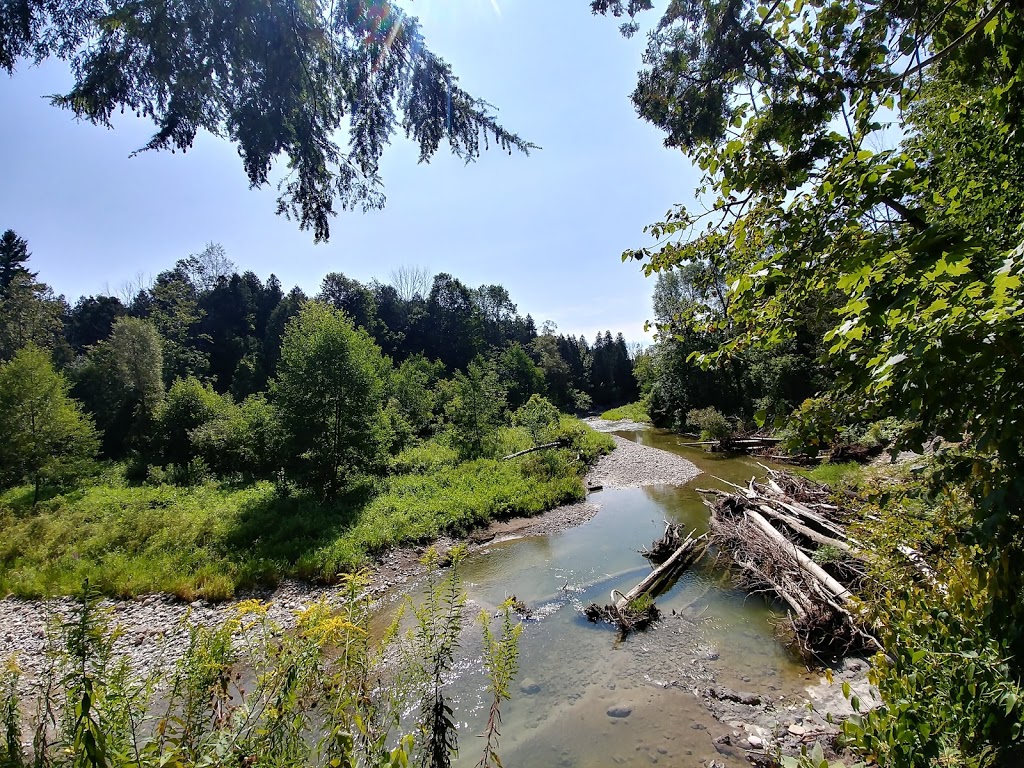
(279, 79)
(862, 197)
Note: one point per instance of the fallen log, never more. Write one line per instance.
(809, 533)
(661, 549)
(636, 608)
(812, 568)
(687, 554)
(927, 572)
(823, 621)
(517, 454)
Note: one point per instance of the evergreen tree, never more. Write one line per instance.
(13, 257)
(281, 80)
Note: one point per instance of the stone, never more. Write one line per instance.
(529, 687)
(755, 742)
(620, 710)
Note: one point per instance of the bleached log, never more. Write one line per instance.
(806, 564)
(809, 533)
(678, 559)
(555, 444)
(927, 572)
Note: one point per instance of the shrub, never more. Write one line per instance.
(539, 418)
(188, 405)
(711, 423)
(634, 412)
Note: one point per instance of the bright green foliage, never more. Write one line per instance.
(951, 696)
(243, 439)
(711, 424)
(539, 418)
(121, 382)
(209, 540)
(634, 412)
(329, 393)
(412, 387)
(434, 641)
(476, 408)
(46, 437)
(277, 79)
(501, 662)
(187, 406)
(862, 161)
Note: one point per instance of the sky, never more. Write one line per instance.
(550, 227)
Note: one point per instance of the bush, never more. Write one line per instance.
(188, 405)
(710, 422)
(539, 418)
(243, 439)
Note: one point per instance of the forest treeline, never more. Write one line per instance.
(205, 367)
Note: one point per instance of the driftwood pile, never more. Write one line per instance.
(636, 608)
(663, 548)
(785, 536)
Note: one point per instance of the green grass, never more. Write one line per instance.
(845, 475)
(211, 540)
(634, 412)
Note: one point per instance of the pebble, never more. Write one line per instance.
(620, 710)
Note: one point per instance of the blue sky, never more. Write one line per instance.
(549, 227)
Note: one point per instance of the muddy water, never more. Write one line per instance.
(574, 676)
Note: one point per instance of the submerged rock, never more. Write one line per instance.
(620, 710)
(529, 687)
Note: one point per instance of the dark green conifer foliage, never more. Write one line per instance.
(13, 256)
(278, 79)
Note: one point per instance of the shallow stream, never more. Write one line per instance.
(577, 679)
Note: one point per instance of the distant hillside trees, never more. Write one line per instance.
(208, 371)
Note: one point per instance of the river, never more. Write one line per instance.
(577, 679)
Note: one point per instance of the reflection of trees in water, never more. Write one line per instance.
(679, 505)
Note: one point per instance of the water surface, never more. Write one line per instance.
(572, 672)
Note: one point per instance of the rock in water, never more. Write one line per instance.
(620, 710)
(529, 687)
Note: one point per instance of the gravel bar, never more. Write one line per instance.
(632, 465)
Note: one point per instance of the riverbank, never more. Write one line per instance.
(155, 627)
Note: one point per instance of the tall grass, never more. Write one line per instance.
(634, 412)
(247, 693)
(213, 539)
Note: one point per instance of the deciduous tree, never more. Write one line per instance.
(46, 436)
(329, 393)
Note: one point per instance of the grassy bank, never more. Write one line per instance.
(213, 539)
(634, 412)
